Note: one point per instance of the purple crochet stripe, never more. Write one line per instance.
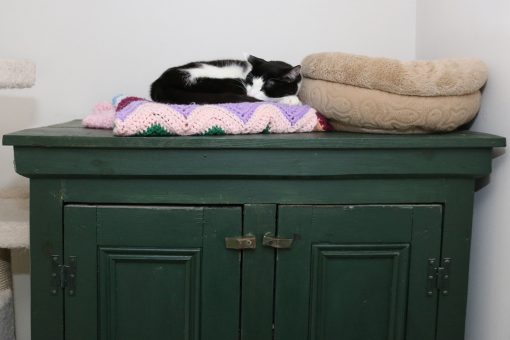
(244, 111)
(293, 112)
(184, 110)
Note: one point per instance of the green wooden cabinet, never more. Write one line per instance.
(357, 271)
(330, 236)
(151, 272)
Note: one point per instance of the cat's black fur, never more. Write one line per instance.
(279, 80)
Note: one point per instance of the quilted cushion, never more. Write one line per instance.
(357, 109)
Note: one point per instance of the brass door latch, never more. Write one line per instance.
(269, 240)
(241, 242)
(250, 242)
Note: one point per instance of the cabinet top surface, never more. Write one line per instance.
(73, 135)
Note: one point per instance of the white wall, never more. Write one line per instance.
(88, 51)
(481, 28)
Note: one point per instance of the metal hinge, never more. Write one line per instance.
(63, 276)
(438, 277)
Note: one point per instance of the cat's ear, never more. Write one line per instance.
(293, 74)
(254, 60)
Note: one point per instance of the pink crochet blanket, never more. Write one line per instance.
(132, 116)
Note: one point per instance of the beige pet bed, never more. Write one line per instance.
(388, 96)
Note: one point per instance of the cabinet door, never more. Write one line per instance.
(152, 273)
(356, 272)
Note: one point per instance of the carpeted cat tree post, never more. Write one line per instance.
(13, 205)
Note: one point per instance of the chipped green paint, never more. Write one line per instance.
(357, 206)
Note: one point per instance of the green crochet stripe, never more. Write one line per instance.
(214, 131)
(159, 131)
(155, 131)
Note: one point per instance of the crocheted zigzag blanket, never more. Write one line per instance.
(132, 116)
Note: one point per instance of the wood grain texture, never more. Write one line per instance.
(246, 191)
(456, 245)
(221, 283)
(258, 274)
(389, 191)
(176, 281)
(46, 235)
(358, 291)
(155, 227)
(81, 321)
(358, 255)
(426, 244)
(148, 293)
(91, 162)
(71, 134)
(347, 272)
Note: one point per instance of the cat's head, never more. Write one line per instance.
(270, 80)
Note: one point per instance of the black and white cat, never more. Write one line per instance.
(228, 81)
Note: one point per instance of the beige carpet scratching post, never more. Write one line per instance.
(14, 74)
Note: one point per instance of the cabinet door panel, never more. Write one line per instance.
(370, 279)
(158, 288)
(153, 272)
(146, 227)
(347, 276)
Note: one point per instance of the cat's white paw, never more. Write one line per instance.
(290, 100)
